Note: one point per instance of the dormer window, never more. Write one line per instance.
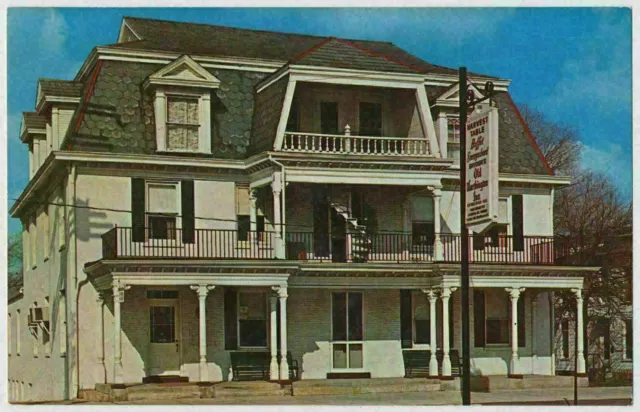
(182, 92)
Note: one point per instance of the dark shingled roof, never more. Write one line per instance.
(518, 151)
(205, 39)
(32, 120)
(64, 88)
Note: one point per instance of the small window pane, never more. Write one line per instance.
(162, 198)
(162, 324)
(162, 227)
(339, 316)
(355, 356)
(244, 226)
(340, 355)
(355, 316)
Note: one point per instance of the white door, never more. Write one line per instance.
(164, 337)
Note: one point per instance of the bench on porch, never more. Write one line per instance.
(254, 366)
(416, 362)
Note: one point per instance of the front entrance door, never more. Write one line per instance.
(164, 335)
(347, 331)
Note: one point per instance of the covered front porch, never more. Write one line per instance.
(191, 319)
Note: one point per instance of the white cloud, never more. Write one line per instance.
(53, 33)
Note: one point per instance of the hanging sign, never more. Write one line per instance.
(482, 168)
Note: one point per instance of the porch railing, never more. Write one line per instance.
(357, 145)
(120, 242)
(398, 247)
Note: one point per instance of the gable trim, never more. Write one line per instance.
(531, 138)
(163, 77)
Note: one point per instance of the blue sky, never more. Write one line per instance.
(572, 64)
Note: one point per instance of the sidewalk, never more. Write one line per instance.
(617, 394)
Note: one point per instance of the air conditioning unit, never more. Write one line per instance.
(39, 314)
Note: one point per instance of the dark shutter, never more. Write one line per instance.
(406, 330)
(522, 337)
(518, 223)
(137, 209)
(230, 319)
(188, 212)
(478, 318)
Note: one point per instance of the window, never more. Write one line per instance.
(183, 124)
(422, 221)
(347, 330)
(565, 339)
(252, 319)
(421, 319)
(162, 323)
(244, 227)
(497, 317)
(329, 118)
(162, 210)
(46, 244)
(370, 119)
(517, 214)
(628, 339)
(60, 220)
(33, 247)
(453, 138)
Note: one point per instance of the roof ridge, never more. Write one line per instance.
(247, 29)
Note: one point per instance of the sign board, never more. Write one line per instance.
(481, 210)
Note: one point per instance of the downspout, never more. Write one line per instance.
(284, 189)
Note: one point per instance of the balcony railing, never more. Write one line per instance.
(354, 247)
(354, 145)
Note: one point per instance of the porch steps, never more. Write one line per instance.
(250, 388)
(163, 391)
(363, 386)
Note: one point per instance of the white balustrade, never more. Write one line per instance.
(358, 145)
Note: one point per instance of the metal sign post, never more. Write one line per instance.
(464, 237)
(467, 100)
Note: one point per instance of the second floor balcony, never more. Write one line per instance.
(381, 247)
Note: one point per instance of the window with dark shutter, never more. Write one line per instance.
(230, 319)
(522, 334)
(188, 212)
(478, 319)
(518, 223)
(137, 209)
(406, 332)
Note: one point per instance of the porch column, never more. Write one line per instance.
(443, 133)
(514, 367)
(202, 291)
(446, 360)
(433, 361)
(284, 366)
(580, 337)
(274, 369)
(101, 356)
(253, 214)
(276, 187)
(437, 244)
(118, 298)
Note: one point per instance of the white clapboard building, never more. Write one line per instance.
(204, 199)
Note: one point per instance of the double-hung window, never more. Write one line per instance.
(497, 318)
(183, 123)
(252, 319)
(422, 221)
(162, 210)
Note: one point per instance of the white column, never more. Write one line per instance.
(101, 356)
(202, 291)
(514, 366)
(274, 368)
(284, 366)
(253, 213)
(437, 244)
(276, 187)
(433, 361)
(446, 360)
(443, 133)
(118, 298)
(580, 337)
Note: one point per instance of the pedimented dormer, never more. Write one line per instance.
(182, 92)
